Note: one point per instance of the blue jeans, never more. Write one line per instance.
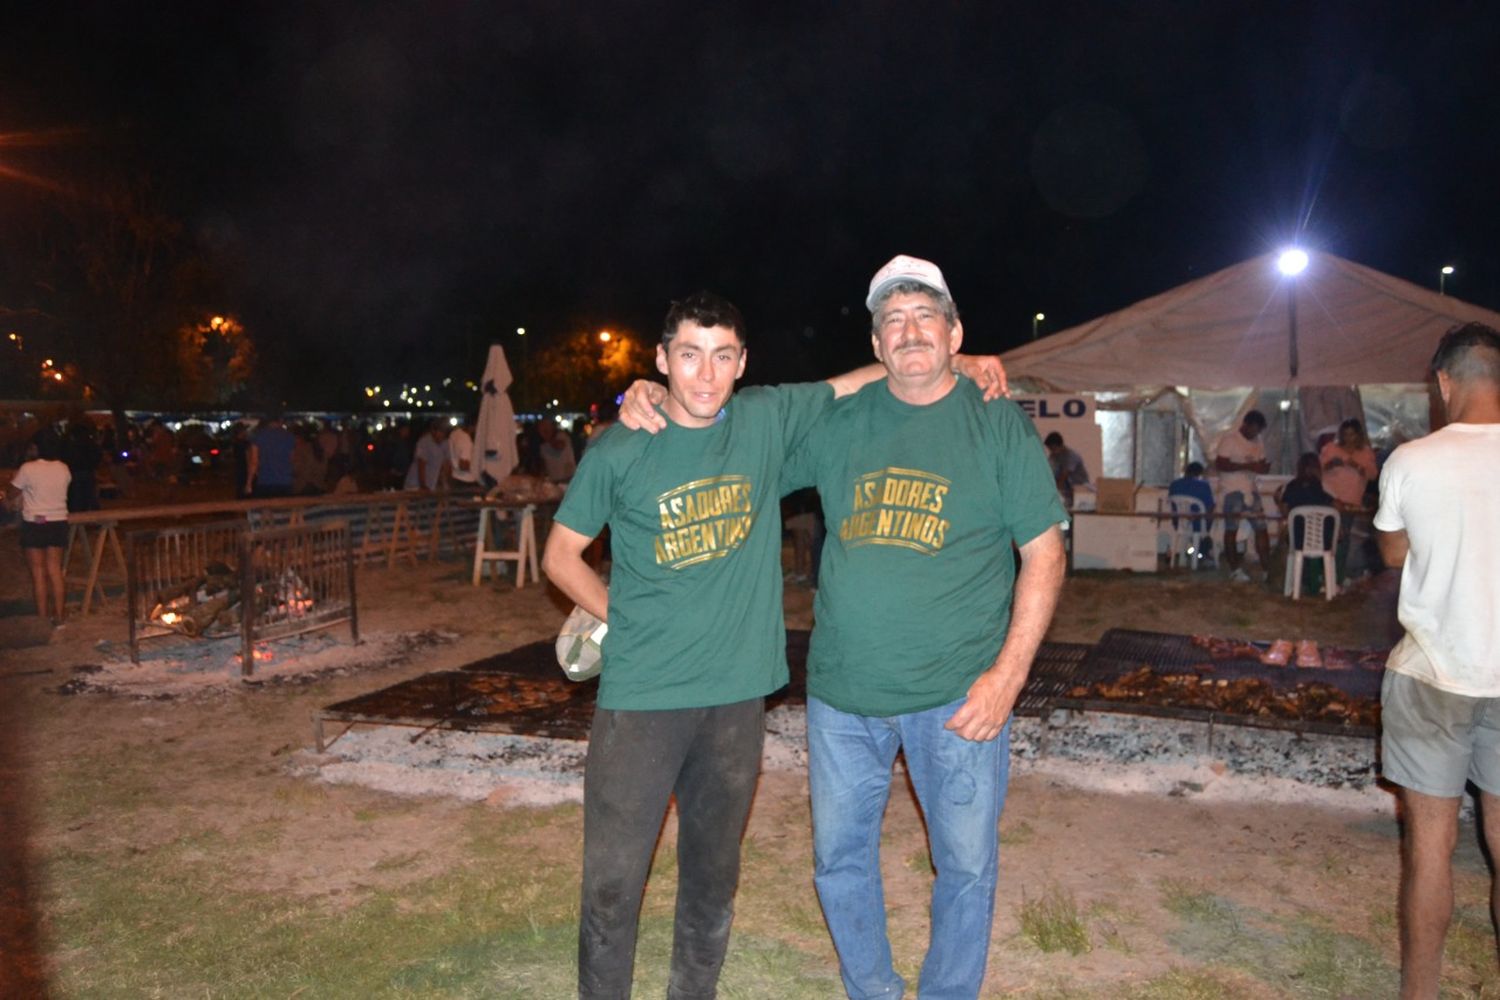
(960, 786)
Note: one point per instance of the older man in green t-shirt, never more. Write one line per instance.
(695, 636)
(925, 631)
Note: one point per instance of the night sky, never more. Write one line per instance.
(392, 185)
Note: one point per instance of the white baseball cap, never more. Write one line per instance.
(903, 268)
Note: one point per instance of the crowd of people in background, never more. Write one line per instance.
(279, 455)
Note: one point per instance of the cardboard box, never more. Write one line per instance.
(1116, 496)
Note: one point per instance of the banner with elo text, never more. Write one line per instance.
(1072, 416)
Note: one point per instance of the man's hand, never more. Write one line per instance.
(985, 371)
(638, 408)
(993, 694)
(990, 699)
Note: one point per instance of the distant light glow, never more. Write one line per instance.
(1285, 404)
(1292, 262)
(1041, 316)
(604, 336)
(1448, 269)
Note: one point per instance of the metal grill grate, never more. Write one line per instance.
(266, 584)
(1057, 668)
(161, 561)
(523, 692)
(1121, 651)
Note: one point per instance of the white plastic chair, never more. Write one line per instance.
(1320, 531)
(1184, 541)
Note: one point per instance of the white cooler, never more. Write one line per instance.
(1101, 541)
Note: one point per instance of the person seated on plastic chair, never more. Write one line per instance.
(1192, 485)
(1306, 490)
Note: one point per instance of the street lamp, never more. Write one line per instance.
(1443, 279)
(1034, 321)
(604, 336)
(525, 378)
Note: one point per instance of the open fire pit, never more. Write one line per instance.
(219, 579)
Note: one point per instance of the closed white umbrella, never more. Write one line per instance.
(495, 434)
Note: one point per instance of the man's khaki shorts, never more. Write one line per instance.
(1433, 741)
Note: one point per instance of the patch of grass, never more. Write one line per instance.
(170, 921)
(1327, 963)
(1192, 984)
(805, 923)
(397, 861)
(1052, 922)
(1335, 866)
(106, 781)
(1383, 922)
(1017, 834)
(1191, 902)
(1106, 921)
(1300, 957)
(1470, 947)
(300, 793)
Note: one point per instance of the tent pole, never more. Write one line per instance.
(1291, 319)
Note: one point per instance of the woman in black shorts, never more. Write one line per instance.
(43, 484)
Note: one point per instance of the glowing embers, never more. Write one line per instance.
(211, 605)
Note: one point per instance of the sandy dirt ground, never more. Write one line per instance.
(237, 755)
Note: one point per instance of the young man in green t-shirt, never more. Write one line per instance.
(696, 637)
(925, 632)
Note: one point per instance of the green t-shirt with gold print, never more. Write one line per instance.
(923, 505)
(695, 616)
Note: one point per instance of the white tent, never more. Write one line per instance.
(1221, 344)
(1355, 326)
(495, 432)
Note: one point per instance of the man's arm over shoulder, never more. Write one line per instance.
(638, 409)
(993, 695)
(984, 370)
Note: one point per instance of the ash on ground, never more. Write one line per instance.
(185, 668)
(1106, 751)
(1089, 750)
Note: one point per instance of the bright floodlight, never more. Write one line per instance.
(1292, 262)
(1448, 269)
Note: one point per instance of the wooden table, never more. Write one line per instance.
(491, 514)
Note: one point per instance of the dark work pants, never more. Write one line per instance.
(709, 758)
